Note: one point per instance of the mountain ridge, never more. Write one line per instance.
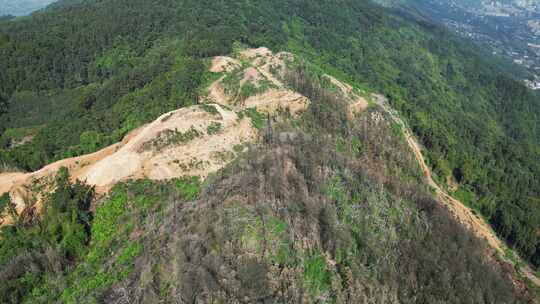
(98, 169)
(94, 72)
(298, 253)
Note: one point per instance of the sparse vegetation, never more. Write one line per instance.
(239, 148)
(231, 81)
(210, 109)
(214, 128)
(75, 256)
(5, 201)
(223, 156)
(257, 118)
(170, 137)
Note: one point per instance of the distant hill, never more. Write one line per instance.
(22, 7)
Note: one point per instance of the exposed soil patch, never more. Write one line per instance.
(135, 158)
(262, 75)
(222, 64)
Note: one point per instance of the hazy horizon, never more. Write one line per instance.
(22, 7)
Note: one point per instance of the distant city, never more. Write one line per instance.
(510, 28)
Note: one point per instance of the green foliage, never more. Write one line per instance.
(210, 109)
(128, 254)
(356, 146)
(17, 136)
(169, 138)
(465, 196)
(61, 235)
(106, 219)
(188, 188)
(110, 230)
(72, 255)
(4, 203)
(214, 128)
(247, 90)
(159, 80)
(257, 118)
(115, 59)
(90, 141)
(316, 274)
(396, 128)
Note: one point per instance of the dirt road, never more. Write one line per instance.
(462, 213)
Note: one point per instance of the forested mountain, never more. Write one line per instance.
(76, 78)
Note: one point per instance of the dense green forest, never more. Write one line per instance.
(81, 75)
(336, 212)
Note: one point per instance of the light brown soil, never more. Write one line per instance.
(251, 75)
(21, 142)
(261, 61)
(251, 54)
(357, 103)
(222, 64)
(190, 158)
(126, 160)
(274, 101)
(8, 180)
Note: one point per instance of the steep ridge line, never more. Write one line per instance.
(461, 212)
(190, 141)
(176, 144)
(128, 159)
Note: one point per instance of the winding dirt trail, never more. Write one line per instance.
(462, 213)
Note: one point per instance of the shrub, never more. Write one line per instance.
(257, 118)
(209, 109)
(316, 275)
(214, 128)
(59, 238)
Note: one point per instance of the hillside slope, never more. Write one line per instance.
(192, 141)
(323, 203)
(79, 78)
(458, 209)
(76, 79)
